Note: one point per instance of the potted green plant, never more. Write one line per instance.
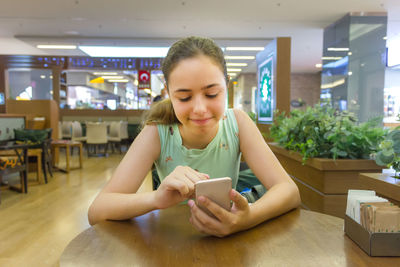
(324, 150)
(388, 153)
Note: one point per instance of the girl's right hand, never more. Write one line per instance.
(177, 186)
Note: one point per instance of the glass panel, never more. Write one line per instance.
(354, 58)
(30, 84)
(107, 90)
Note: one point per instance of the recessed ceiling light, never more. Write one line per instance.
(118, 81)
(115, 51)
(233, 70)
(319, 65)
(112, 77)
(56, 46)
(105, 73)
(231, 64)
(240, 57)
(249, 48)
(338, 49)
(331, 58)
(232, 74)
(71, 33)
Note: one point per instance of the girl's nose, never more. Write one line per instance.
(199, 106)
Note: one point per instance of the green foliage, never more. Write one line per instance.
(389, 151)
(323, 132)
(252, 116)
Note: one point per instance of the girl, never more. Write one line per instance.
(190, 136)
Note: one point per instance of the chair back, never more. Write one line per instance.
(115, 129)
(59, 134)
(66, 129)
(76, 129)
(124, 130)
(96, 133)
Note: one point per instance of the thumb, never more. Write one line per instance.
(239, 200)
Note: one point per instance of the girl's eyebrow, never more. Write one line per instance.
(203, 88)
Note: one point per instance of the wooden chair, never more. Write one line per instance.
(77, 132)
(45, 160)
(96, 135)
(66, 129)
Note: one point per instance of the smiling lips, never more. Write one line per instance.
(200, 121)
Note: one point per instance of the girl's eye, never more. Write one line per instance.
(185, 99)
(212, 96)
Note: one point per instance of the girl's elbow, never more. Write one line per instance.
(92, 216)
(296, 196)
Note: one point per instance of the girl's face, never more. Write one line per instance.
(197, 89)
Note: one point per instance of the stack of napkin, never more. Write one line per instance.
(376, 214)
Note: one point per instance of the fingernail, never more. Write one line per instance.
(201, 199)
(190, 203)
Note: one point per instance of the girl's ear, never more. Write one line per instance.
(166, 88)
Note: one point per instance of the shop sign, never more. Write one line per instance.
(144, 79)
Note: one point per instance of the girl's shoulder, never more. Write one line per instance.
(240, 116)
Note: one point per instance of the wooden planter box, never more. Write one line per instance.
(384, 184)
(323, 183)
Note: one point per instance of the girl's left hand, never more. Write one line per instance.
(227, 222)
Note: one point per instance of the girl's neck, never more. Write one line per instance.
(197, 140)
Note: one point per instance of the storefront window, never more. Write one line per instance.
(107, 90)
(30, 84)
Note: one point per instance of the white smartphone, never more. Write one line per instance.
(217, 190)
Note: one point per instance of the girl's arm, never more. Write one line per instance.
(283, 194)
(118, 200)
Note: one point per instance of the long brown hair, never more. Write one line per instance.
(189, 47)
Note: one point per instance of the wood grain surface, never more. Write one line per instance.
(166, 238)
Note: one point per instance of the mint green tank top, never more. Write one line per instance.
(221, 157)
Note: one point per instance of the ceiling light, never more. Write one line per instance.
(115, 51)
(118, 81)
(56, 46)
(245, 48)
(240, 57)
(112, 77)
(349, 53)
(384, 38)
(234, 70)
(319, 65)
(331, 58)
(71, 33)
(232, 74)
(338, 49)
(231, 64)
(105, 73)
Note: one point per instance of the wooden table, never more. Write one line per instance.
(166, 238)
(383, 184)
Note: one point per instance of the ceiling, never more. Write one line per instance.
(25, 23)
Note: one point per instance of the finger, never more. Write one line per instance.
(199, 225)
(239, 200)
(219, 212)
(179, 185)
(189, 183)
(196, 176)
